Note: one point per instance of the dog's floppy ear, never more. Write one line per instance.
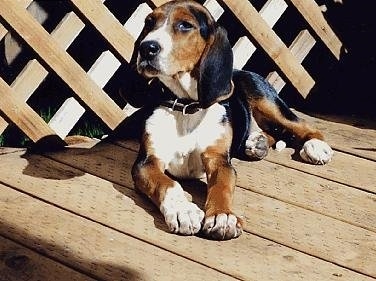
(215, 70)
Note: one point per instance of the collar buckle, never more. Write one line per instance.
(184, 106)
(195, 105)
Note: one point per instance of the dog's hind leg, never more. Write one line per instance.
(275, 118)
(258, 142)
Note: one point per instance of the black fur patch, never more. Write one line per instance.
(205, 28)
(216, 70)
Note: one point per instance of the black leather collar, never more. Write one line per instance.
(186, 106)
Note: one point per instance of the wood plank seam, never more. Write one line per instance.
(35, 265)
(92, 221)
(324, 177)
(304, 207)
(66, 164)
(244, 186)
(250, 231)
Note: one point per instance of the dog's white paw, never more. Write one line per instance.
(256, 146)
(222, 227)
(182, 217)
(316, 151)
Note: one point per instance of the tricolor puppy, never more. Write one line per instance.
(209, 113)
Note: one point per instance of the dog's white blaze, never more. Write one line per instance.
(188, 90)
(163, 37)
(189, 84)
(178, 140)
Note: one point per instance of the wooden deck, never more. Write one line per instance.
(74, 215)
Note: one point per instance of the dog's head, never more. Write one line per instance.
(181, 38)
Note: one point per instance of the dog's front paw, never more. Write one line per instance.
(316, 151)
(222, 227)
(256, 146)
(185, 218)
(181, 216)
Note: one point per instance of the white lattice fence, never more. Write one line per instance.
(88, 86)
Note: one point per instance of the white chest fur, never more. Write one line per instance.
(178, 140)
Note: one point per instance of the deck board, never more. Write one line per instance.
(302, 221)
(90, 247)
(282, 224)
(336, 170)
(18, 263)
(304, 190)
(112, 205)
(350, 135)
(295, 187)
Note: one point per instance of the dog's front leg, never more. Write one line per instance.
(220, 221)
(181, 215)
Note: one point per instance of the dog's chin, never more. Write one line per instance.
(151, 70)
(147, 69)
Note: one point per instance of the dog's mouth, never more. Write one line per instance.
(147, 67)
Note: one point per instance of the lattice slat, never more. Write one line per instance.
(214, 8)
(66, 117)
(120, 38)
(110, 28)
(244, 48)
(135, 23)
(299, 48)
(62, 63)
(3, 30)
(34, 73)
(101, 72)
(22, 115)
(313, 15)
(272, 45)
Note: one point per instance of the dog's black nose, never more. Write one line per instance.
(149, 49)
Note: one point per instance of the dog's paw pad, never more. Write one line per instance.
(222, 227)
(316, 151)
(256, 146)
(185, 218)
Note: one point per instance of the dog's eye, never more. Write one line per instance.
(184, 26)
(149, 22)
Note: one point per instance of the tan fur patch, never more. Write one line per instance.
(265, 111)
(221, 177)
(151, 177)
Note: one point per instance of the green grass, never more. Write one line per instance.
(89, 129)
(13, 137)
(47, 114)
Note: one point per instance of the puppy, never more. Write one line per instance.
(204, 114)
